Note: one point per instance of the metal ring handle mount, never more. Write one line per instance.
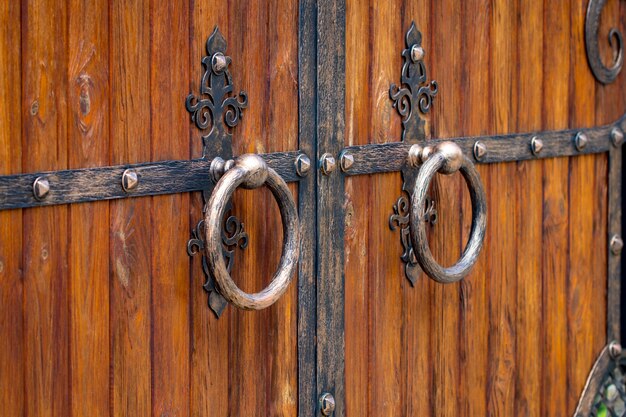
(251, 171)
(446, 158)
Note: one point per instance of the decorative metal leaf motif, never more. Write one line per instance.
(233, 236)
(216, 109)
(414, 93)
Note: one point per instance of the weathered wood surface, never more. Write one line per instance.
(508, 339)
(103, 312)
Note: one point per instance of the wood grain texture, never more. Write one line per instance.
(529, 212)
(446, 241)
(502, 221)
(131, 226)
(88, 140)
(11, 279)
(45, 231)
(170, 312)
(555, 211)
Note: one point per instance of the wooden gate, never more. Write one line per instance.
(114, 116)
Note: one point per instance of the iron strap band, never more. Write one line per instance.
(172, 177)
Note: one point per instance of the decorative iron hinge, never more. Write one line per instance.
(414, 96)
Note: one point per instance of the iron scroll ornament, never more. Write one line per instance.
(217, 110)
(604, 74)
(415, 95)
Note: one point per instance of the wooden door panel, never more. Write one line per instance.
(519, 335)
(102, 309)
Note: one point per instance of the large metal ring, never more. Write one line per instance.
(447, 158)
(251, 171)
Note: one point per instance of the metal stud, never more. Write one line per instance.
(417, 53)
(327, 164)
(480, 150)
(617, 137)
(580, 141)
(219, 62)
(615, 349)
(327, 404)
(41, 188)
(536, 145)
(346, 160)
(303, 165)
(130, 180)
(617, 244)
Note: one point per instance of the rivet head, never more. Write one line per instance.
(327, 164)
(615, 349)
(41, 188)
(617, 137)
(417, 53)
(303, 165)
(480, 150)
(219, 62)
(346, 160)
(130, 180)
(536, 145)
(327, 404)
(617, 244)
(580, 141)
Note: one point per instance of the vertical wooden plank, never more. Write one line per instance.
(502, 220)
(529, 209)
(385, 272)
(88, 142)
(307, 209)
(254, 266)
(357, 216)
(330, 216)
(210, 336)
(446, 242)
(555, 215)
(583, 283)
(170, 266)
(282, 128)
(45, 247)
(474, 303)
(130, 220)
(417, 315)
(11, 284)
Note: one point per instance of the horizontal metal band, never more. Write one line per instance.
(391, 157)
(105, 183)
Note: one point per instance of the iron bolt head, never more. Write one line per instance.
(219, 62)
(617, 244)
(480, 150)
(617, 137)
(327, 164)
(615, 350)
(327, 404)
(130, 180)
(581, 141)
(536, 145)
(346, 160)
(417, 53)
(303, 165)
(453, 157)
(41, 188)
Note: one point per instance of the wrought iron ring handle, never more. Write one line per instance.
(251, 171)
(446, 158)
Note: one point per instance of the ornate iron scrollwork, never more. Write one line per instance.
(604, 74)
(414, 93)
(605, 391)
(217, 110)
